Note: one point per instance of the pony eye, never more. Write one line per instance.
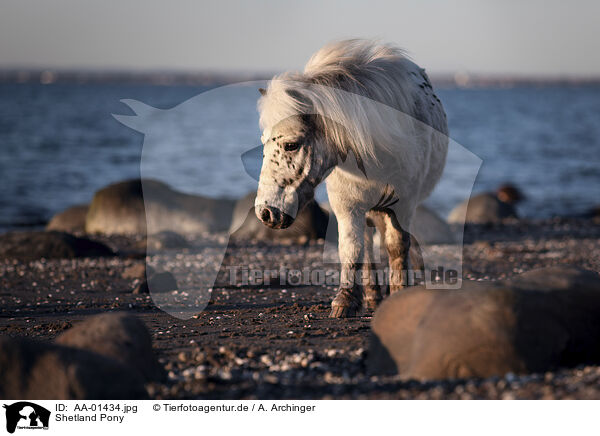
(291, 146)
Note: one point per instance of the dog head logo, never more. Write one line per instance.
(26, 415)
(207, 146)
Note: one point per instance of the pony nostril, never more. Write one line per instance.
(265, 215)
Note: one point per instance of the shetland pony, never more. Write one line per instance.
(365, 119)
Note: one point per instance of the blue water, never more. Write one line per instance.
(59, 143)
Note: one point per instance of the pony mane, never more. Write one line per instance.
(345, 83)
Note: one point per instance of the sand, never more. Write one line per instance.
(276, 342)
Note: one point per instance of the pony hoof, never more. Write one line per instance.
(343, 312)
(372, 298)
(371, 303)
(345, 304)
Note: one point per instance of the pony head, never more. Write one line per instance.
(295, 161)
(308, 128)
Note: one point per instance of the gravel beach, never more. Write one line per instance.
(277, 342)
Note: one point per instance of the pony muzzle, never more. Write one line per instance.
(273, 217)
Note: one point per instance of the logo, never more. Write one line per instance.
(26, 415)
(196, 127)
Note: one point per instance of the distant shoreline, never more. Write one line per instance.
(461, 79)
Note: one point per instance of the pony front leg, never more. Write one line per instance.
(348, 300)
(397, 242)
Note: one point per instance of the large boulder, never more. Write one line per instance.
(124, 208)
(118, 336)
(310, 224)
(536, 322)
(71, 220)
(44, 371)
(27, 246)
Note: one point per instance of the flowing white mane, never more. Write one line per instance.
(342, 82)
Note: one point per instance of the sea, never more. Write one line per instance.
(61, 142)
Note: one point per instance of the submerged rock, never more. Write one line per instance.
(124, 208)
(538, 321)
(27, 246)
(119, 336)
(45, 371)
(71, 220)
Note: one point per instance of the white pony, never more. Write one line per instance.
(366, 118)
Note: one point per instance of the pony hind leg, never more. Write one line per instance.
(371, 285)
(416, 261)
(397, 243)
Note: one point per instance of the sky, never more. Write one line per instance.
(499, 37)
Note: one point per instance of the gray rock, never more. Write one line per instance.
(310, 224)
(43, 371)
(122, 209)
(26, 246)
(482, 209)
(71, 220)
(429, 228)
(120, 337)
(536, 322)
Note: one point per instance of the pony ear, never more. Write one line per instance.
(143, 113)
(262, 91)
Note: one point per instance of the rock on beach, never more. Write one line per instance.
(429, 228)
(538, 321)
(118, 336)
(482, 209)
(45, 371)
(126, 208)
(27, 246)
(71, 220)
